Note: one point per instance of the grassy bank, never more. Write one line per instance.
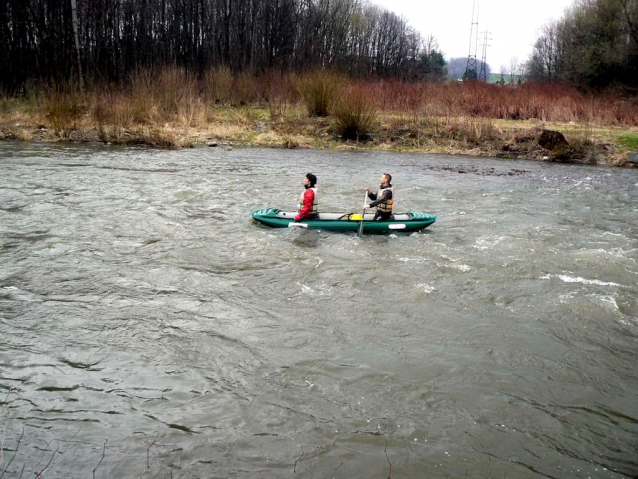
(170, 108)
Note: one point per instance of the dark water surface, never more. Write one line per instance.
(147, 327)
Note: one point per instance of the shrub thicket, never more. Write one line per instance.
(318, 90)
(354, 114)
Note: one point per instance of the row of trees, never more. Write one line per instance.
(55, 40)
(595, 44)
(456, 67)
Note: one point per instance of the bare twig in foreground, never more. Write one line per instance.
(39, 474)
(15, 453)
(102, 458)
(148, 459)
(295, 468)
(4, 435)
(388, 459)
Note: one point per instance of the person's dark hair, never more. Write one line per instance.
(312, 178)
(388, 176)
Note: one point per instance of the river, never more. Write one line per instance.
(149, 328)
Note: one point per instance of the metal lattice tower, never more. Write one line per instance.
(470, 68)
(483, 71)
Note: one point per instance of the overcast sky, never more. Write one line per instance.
(513, 24)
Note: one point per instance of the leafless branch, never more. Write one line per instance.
(295, 468)
(102, 458)
(62, 451)
(14, 454)
(39, 474)
(148, 458)
(4, 435)
(388, 459)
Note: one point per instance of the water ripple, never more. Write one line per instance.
(148, 325)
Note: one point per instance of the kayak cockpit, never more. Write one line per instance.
(340, 216)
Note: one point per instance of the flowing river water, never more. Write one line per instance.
(149, 328)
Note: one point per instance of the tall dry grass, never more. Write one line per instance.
(318, 90)
(544, 102)
(218, 86)
(171, 94)
(354, 114)
(559, 103)
(279, 92)
(114, 116)
(166, 105)
(64, 110)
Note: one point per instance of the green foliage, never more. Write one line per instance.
(354, 115)
(318, 90)
(629, 141)
(594, 45)
(432, 65)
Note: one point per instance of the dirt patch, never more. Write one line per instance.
(552, 140)
(552, 146)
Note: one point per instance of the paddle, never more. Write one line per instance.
(294, 224)
(365, 202)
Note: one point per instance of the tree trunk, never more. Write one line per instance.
(74, 18)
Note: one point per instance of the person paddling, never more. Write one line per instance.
(308, 202)
(382, 199)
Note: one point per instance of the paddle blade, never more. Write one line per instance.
(360, 233)
(363, 214)
(294, 224)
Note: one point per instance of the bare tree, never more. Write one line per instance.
(50, 40)
(594, 44)
(513, 70)
(74, 20)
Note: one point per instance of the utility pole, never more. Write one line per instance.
(483, 71)
(470, 68)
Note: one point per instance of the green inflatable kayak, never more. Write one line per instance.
(349, 222)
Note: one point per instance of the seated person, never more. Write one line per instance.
(382, 199)
(308, 201)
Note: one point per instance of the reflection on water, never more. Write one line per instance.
(304, 238)
(150, 328)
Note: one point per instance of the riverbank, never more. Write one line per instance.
(253, 127)
(173, 110)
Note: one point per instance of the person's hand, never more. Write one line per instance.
(297, 219)
(367, 188)
(366, 207)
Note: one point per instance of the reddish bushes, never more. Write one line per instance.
(170, 102)
(543, 102)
